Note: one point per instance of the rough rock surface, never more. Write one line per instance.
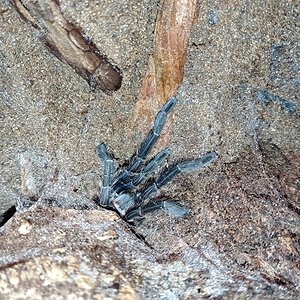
(58, 253)
(239, 96)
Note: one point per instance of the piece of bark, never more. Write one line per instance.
(165, 66)
(66, 41)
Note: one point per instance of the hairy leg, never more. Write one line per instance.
(109, 170)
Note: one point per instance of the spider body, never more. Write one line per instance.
(122, 188)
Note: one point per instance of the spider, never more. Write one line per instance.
(124, 189)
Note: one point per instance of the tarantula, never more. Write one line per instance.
(123, 190)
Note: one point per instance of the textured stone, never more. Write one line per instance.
(92, 254)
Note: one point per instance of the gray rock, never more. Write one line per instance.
(57, 253)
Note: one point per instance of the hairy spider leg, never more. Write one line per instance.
(109, 169)
(137, 214)
(171, 172)
(151, 167)
(153, 135)
(137, 161)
